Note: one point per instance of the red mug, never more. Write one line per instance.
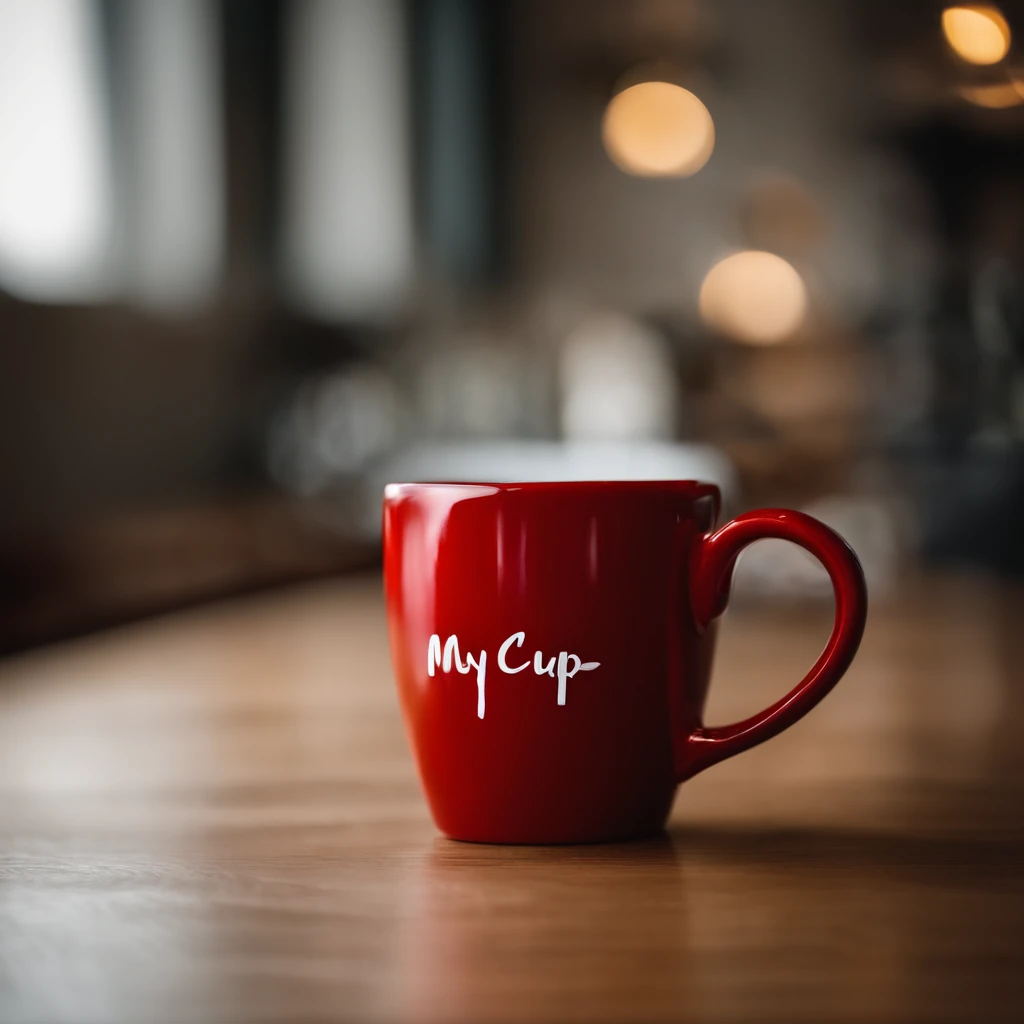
(552, 644)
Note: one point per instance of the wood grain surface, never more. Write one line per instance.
(214, 817)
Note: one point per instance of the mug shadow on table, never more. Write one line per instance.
(889, 854)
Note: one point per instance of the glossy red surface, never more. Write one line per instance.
(584, 621)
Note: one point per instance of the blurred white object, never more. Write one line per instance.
(56, 203)
(775, 568)
(349, 193)
(522, 461)
(617, 381)
(175, 234)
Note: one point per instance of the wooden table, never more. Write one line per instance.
(214, 817)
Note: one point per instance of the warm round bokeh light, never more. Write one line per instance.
(995, 96)
(657, 130)
(756, 297)
(979, 34)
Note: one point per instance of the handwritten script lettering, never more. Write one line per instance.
(562, 666)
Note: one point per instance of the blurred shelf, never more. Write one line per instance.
(134, 564)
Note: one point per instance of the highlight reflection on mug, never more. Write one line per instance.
(555, 667)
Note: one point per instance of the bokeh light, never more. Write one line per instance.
(657, 129)
(996, 95)
(754, 297)
(978, 34)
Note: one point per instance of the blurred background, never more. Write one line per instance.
(259, 257)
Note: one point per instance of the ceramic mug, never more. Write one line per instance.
(552, 644)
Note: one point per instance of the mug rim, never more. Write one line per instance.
(691, 488)
(700, 487)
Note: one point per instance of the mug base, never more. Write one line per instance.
(560, 838)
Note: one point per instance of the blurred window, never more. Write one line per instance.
(56, 218)
(349, 236)
(173, 159)
(111, 161)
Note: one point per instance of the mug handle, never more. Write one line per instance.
(710, 579)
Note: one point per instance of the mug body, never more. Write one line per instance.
(545, 651)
